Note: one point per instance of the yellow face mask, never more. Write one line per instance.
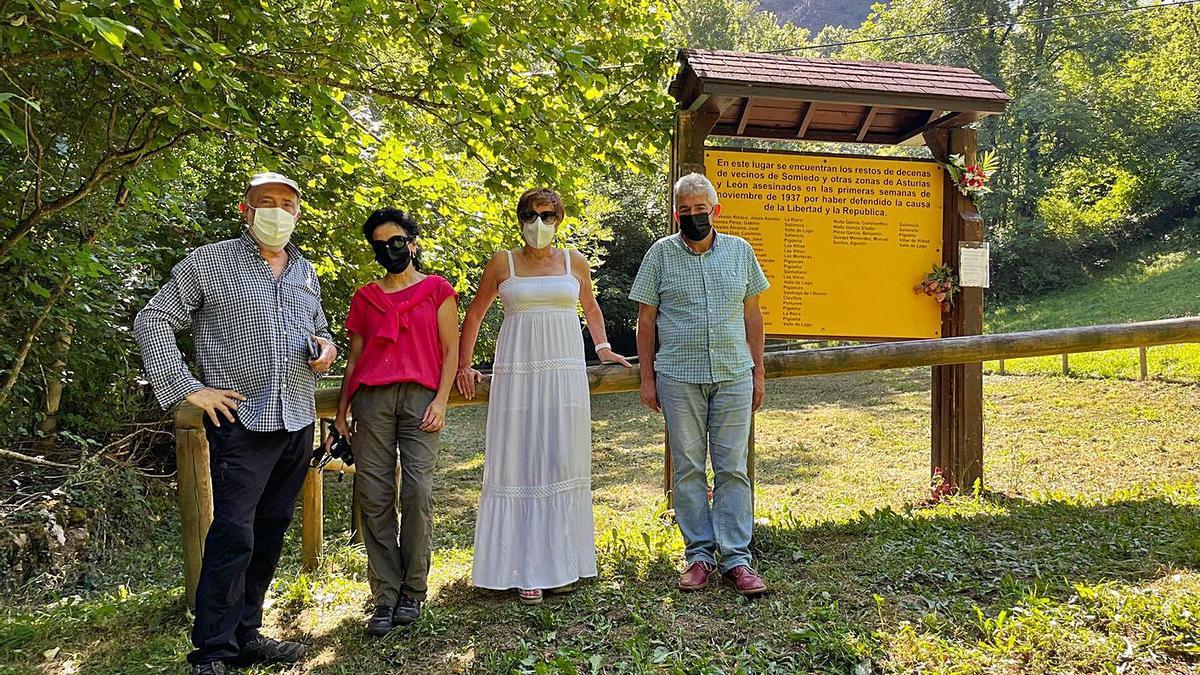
(273, 226)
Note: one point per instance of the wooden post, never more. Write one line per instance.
(956, 435)
(195, 502)
(1002, 370)
(1066, 365)
(691, 130)
(312, 504)
(1144, 367)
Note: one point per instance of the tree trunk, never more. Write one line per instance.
(14, 372)
(54, 388)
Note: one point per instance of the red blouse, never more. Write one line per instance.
(400, 334)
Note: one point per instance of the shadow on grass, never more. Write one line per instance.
(995, 549)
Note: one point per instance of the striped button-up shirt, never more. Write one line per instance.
(701, 306)
(250, 332)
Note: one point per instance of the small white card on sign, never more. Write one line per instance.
(973, 265)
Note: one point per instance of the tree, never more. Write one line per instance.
(128, 128)
(1102, 107)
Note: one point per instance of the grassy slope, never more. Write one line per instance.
(1088, 562)
(1160, 284)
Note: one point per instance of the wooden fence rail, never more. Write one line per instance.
(195, 488)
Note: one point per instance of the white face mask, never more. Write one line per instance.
(537, 233)
(273, 226)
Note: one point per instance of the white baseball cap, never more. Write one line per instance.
(271, 177)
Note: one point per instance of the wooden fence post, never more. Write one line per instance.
(312, 504)
(195, 502)
(1143, 366)
(1066, 365)
(1002, 370)
(956, 428)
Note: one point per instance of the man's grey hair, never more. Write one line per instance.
(696, 184)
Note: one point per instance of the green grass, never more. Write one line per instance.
(1082, 558)
(1162, 282)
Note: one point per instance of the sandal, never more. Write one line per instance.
(530, 597)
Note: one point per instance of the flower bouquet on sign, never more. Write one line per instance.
(941, 284)
(972, 179)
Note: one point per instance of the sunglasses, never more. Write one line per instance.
(547, 216)
(397, 242)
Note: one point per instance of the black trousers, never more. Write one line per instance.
(256, 477)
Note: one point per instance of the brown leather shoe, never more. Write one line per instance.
(746, 581)
(696, 576)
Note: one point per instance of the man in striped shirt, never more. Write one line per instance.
(253, 305)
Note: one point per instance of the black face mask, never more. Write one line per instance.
(695, 226)
(393, 254)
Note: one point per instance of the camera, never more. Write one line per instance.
(339, 448)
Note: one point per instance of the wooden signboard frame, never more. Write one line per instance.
(787, 98)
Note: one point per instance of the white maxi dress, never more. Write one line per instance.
(535, 527)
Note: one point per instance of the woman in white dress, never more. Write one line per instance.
(534, 531)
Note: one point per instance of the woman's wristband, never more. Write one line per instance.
(602, 345)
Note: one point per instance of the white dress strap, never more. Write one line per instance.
(567, 260)
(512, 271)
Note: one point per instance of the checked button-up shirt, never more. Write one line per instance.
(701, 306)
(250, 332)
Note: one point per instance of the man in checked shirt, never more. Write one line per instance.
(253, 304)
(698, 294)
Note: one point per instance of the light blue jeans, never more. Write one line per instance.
(704, 420)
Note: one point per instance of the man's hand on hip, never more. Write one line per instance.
(211, 400)
(328, 354)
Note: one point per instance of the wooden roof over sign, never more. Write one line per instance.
(794, 98)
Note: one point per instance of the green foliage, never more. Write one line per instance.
(129, 128)
(1094, 148)
(638, 218)
(1089, 202)
(1157, 281)
(103, 522)
(733, 24)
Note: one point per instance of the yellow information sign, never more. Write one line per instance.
(843, 239)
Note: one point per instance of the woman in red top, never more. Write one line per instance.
(403, 357)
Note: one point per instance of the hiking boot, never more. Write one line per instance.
(381, 623)
(696, 576)
(746, 581)
(214, 668)
(407, 611)
(266, 650)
